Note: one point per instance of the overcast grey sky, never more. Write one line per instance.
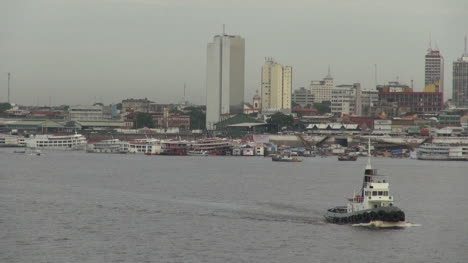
(77, 50)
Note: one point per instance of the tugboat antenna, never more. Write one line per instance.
(368, 166)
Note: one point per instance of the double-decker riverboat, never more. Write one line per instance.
(57, 142)
(213, 146)
(108, 146)
(442, 152)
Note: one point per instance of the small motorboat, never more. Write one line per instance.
(197, 153)
(347, 158)
(281, 158)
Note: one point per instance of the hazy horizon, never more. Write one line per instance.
(74, 51)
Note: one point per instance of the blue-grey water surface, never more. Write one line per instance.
(80, 207)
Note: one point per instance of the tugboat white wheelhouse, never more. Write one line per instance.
(373, 203)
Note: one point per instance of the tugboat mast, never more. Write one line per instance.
(368, 166)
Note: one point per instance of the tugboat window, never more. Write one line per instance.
(380, 193)
(374, 193)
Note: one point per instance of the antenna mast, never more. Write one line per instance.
(466, 53)
(375, 75)
(185, 99)
(9, 84)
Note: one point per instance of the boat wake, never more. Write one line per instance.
(382, 224)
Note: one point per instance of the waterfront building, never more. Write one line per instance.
(303, 97)
(276, 86)
(168, 120)
(224, 78)
(322, 89)
(351, 99)
(85, 113)
(460, 80)
(343, 99)
(136, 105)
(394, 86)
(434, 71)
(369, 99)
(408, 101)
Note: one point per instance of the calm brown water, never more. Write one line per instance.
(79, 207)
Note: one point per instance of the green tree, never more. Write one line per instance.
(144, 119)
(323, 107)
(5, 106)
(197, 118)
(279, 120)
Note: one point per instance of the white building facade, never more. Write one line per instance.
(225, 73)
(351, 99)
(303, 97)
(85, 113)
(322, 89)
(276, 86)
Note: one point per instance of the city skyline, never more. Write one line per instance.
(71, 53)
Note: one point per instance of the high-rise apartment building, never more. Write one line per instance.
(322, 89)
(276, 86)
(434, 71)
(460, 80)
(225, 75)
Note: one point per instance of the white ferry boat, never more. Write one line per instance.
(146, 146)
(442, 152)
(108, 146)
(58, 142)
(7, 140)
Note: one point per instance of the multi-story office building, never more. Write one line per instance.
(460, 80)
(434, 71)
(343, 99)
(276, 86)
(85, 113)
(224, 78)
(351, 99)
(322, 89)
(303, 97)
(405, 98)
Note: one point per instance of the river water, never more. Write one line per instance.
(80, 207)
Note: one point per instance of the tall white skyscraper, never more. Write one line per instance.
(276, 86)
(224, 78)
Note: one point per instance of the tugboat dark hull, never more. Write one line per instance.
(338, 215)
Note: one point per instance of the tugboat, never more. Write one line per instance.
(372, 203)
